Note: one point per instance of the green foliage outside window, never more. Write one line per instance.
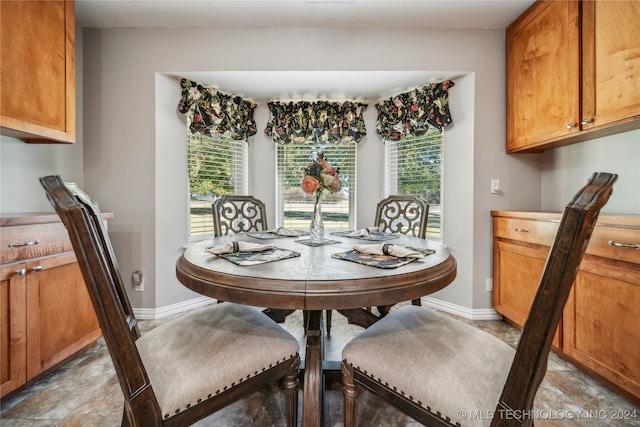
(211, 170)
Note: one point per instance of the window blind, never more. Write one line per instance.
(414, 165)
(216, 166)
(294, 207)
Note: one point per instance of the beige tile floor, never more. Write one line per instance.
(85, 392)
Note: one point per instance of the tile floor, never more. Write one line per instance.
(85, 392)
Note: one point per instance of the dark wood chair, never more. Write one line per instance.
(238, 214)
(186, 368)
(404, 214)
(439, 370)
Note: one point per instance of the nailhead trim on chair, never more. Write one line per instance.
(395, 389)
(209, 396)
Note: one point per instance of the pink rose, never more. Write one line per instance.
(332, 183)
(310, 184)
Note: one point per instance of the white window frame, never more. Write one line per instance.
(200, 224)
(349, 190)
(392, 184)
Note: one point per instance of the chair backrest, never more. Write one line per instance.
(238, 214)
(404, 214)
(530, 361)
(83, 220)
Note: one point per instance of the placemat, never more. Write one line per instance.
(254, 258)
(377, 236)
(380, 261)
(271, 235)
(309, 242)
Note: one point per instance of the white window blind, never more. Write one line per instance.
(217, 166)
(294, 207)
(415, 166)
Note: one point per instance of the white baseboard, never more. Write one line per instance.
(466, 312)
(158, 313)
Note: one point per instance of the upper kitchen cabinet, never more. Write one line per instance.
(610, 63)
(37, 70)
(573, 73)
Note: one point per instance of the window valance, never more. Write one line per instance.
(212, 112)
(323, 122)
(411, 113)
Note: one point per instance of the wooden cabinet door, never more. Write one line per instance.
(13, 330)
(611, 62)
(601, 323)
(543, 75)
(516, 276)
(60, 319)
(37, 60)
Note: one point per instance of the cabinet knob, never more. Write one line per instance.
(571, 125)
(37, 268)
(585, 122)
(521, 230)
(21, 272)
(17, 245)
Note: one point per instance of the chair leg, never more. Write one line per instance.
(349, 393)
(328, 325)
(416, 301)
(291, 383)
(383, 310)
(305, 316)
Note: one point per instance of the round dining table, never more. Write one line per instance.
(317, 279)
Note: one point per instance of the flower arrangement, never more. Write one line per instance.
(320, 175)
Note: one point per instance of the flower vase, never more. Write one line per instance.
(316, 229)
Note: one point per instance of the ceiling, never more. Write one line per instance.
(261, 85)
(455, 14)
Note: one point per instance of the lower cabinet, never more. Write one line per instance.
(46, 314)
(599, 329)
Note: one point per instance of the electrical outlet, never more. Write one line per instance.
(488, 285)
(138, 281)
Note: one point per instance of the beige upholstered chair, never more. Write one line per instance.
(238, 214)
(186, 368)
(439, 370)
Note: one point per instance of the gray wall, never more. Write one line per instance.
(134, 157)
(566, 168)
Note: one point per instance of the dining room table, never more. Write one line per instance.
(293, 273)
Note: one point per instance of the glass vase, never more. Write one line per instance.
(316, 229)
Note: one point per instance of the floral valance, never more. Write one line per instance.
(215, 113)
(323, 122)
(411, 113)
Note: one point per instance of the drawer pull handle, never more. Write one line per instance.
(624, 245)
(522, 230)
(18, 245)
(21, 272)
(37, 268)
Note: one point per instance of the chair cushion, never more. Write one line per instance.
(442, 363)
(204, 352)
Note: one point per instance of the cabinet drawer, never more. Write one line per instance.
(51, 239)
(599, 244)
(525, 230)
